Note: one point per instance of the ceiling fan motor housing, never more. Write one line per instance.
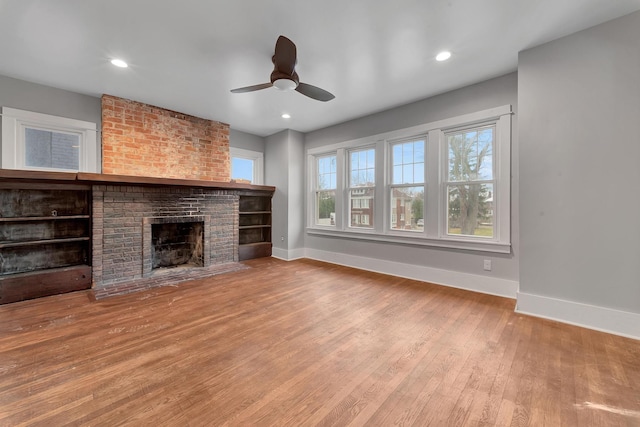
(284, 81)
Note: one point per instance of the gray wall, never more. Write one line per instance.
(28, 96)
(246, 141)
(276, 173)
(284, 169)
(579, 126)
(488, 94)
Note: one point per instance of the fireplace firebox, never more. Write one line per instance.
(175, 241)
(177, 244)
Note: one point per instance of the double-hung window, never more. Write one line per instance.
(362, 182)
(325, 192)
(443, 184)
(406, 190)
(470, 182)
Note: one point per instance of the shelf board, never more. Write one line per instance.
(42, 242)
(247, 227)
(255, 212)
(43, 218)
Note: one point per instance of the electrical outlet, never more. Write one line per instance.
(487, 265)
(282, 238)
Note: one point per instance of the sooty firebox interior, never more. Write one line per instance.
(177, 244)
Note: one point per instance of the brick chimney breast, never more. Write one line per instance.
(143, 140)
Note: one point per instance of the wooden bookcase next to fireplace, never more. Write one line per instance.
(45, 239)
(254, 232)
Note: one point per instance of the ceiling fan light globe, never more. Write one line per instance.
(285, 84)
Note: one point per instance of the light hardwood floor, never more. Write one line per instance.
(307, 343)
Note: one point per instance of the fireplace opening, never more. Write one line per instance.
(177, 244)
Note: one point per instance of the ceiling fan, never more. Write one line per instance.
(284, 76)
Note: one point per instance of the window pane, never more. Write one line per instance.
(326, 173)
(47, 149)
(471, 155)
(397, 154)
(470, 210)
(242, 169)
(326, 208)
(408, 163)
(361, 207)
(397, 174)
(362, 168)
(407, 208)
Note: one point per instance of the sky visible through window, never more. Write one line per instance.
(242, 168)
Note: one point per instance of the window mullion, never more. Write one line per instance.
(341, 190)
(379, 190)
(433, 187)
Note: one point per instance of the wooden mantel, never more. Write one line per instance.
(102, 179)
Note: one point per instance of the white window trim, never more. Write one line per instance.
(14, 122)
(434, 233)
(258, 162)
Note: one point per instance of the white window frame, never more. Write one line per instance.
(14, 123)
(258, 162)
(435, 208)
(315, 190)
(350, 188)
(390, 185)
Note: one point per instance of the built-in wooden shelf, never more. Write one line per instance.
(45, 235)
(36, 284)
(45, 218)
(14, 244)
(255, 225)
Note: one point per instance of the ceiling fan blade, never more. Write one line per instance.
(252, 88)
(284, 57)
(314, 92)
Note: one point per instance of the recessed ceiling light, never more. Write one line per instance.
(443, 56)
(286, 116)
(119, 63)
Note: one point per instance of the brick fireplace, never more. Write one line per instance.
(123, 219)
(148, 141)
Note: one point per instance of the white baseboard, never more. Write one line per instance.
(603, 319)
(455, 279)
(287, 255)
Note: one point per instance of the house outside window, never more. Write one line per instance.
(407, 183)
(362, 183)
(36, 141)
(442, 184)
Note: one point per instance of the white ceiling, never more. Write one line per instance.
(372, 55)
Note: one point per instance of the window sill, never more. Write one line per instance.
(469, 245)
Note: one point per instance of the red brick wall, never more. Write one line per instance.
(143, 140)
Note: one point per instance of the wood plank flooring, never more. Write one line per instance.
(305, 343)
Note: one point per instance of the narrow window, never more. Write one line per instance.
(362, 171)
(470, 183)
(326, 190)
(407, 185)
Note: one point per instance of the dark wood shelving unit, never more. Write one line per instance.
(255, 225)
(45, 240)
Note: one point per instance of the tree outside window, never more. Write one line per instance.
(407, 184)
(470, 182)
(326, 190)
